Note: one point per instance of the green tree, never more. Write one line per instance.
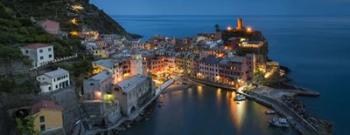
(259, 78)
(26, 126)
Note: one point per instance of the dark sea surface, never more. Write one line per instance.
(315, 48)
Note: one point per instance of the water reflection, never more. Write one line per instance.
(200, 90)
(204, 110)
(237, 111)
(219, 96)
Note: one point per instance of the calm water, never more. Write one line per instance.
(315, 48)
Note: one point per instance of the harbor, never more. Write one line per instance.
(195, 103)
(273, 98)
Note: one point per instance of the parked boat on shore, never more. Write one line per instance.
(279, 122)
(268, 112)
(240, 98)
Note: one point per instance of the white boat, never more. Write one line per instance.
(270, 112)
(239, 98)
(279, 122)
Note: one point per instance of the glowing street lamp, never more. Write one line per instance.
(98, 95)
(249, 29)
(77, 7)
(229, 28)
(74, 33)
(74, 21)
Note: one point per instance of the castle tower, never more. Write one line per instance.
(239, 24)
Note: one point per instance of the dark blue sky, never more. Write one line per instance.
(224, 7)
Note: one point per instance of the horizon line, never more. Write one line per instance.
(228, 15)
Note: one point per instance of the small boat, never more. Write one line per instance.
(270, 112)
(239, 98)
(279, 122)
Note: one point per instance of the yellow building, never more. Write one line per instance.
(47, 116)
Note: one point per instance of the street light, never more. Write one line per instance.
(74, 21)
(77, 7)
(229, 28)
(249, 29)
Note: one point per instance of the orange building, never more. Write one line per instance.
(47, 116)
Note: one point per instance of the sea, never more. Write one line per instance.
(315, 48)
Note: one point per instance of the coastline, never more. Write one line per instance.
(297, 121)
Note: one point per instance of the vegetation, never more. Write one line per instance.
(59, 10)
(79, 69)
(26, 126)
(274, 80)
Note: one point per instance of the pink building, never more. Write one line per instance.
(50, 26)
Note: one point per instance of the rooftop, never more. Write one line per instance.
(129, 84)
(45, 104)
(101, 76)
(235, 59)
(36, 45)
(106, 63)
(57, 73)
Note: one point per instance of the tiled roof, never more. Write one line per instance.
(129, 84)
(57, 73)
(45, 104)
(102, 76)
(108, 63)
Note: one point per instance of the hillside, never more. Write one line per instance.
(16, 31)
(60, 10)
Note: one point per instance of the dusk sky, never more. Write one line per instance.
(224, 7)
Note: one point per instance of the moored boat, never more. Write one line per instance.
(270, 112)
(279, 122)
(240, 98)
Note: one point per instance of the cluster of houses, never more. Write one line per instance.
(127, 72)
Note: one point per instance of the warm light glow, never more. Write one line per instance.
(249, 29)
(96, 70)
(238, 112)
(108, 98)
(217, 77)
(91, 34)
(229, 28)
(200, 90)
(74, 33)
(74, 21)
(98, 95)
(119, 79)
(220, 55)
(77, 7)
(126, 74)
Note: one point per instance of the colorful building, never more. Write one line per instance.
(47, 116)
(39, 53)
